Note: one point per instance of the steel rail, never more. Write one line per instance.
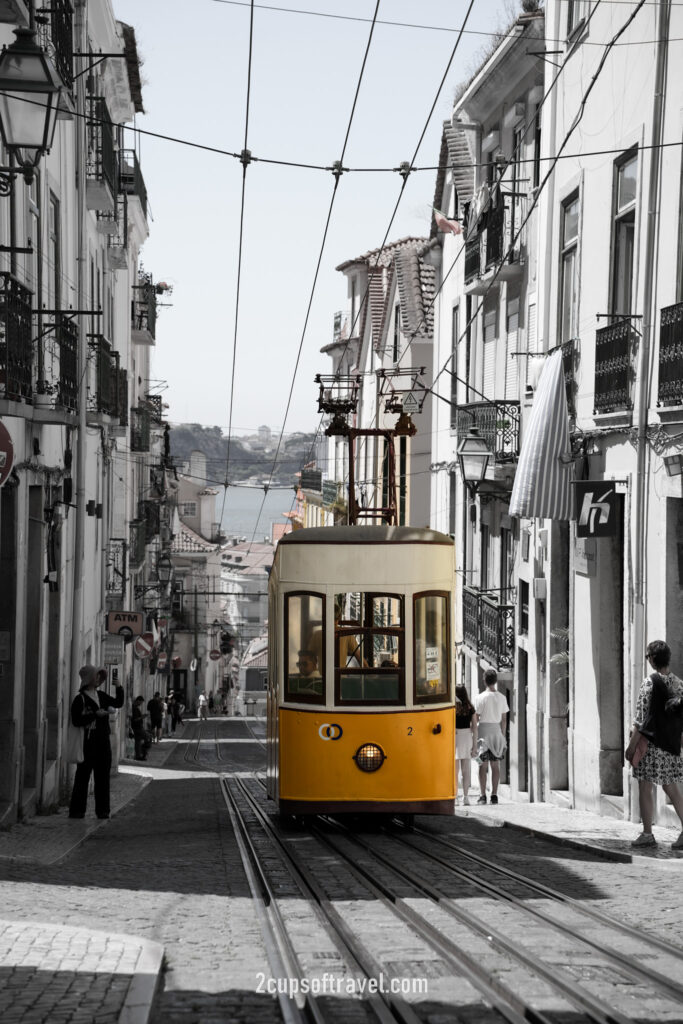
(560, 980)
(190, 754)
(279, 950)
(386, 1008)
(506, 1002)
(651, 977)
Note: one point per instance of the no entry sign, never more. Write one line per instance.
(143, 645)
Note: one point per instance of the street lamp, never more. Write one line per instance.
(473, 458)
(164, 568)
(29, 98)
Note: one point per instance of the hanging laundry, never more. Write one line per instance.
(444, 224)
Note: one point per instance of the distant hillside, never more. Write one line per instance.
(249, 456)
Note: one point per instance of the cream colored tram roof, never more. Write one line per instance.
(365, 535)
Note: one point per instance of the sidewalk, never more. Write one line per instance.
(46, 970)
(607, 837)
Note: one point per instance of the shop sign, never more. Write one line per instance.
(124, 623)
(596, 503)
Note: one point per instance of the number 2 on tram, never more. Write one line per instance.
(360, 694)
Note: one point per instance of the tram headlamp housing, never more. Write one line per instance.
(369, 757)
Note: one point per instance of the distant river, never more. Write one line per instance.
(242, 507)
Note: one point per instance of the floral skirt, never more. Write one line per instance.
(660, 767)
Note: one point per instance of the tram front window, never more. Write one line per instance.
(305, 647)
(432, 678)
(368, 648)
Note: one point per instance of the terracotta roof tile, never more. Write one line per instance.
(187, 541)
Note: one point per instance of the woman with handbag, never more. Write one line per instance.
(655, 746)
(90, 711)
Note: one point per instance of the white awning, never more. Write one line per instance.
(542, 488)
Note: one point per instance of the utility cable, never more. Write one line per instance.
(337, 172)
(245, 164)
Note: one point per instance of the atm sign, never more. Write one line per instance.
(124, 623)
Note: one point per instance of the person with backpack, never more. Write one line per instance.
(90, 711)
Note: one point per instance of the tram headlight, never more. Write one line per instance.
(369, 757)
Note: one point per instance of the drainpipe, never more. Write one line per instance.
(644, 370)
(79, 537)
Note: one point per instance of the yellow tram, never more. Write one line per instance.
(361, 693)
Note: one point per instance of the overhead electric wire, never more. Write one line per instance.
(245, 164)
(337, 178)
(419, 25)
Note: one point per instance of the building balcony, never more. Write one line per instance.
(115, 226)
(16, 350)
(131, 181)
(104, 397)
(101, 177)
(489, 628)
(56, 38)
(156, 408)
(140, 430)
(136, 549)
(121, 410)
(670, 390)
(149, 514)
(490, 251)
(144, 311)
(497, 423)
(614, 354)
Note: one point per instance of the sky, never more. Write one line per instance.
(304, 73)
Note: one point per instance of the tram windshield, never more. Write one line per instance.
(305, 647)
(369, 648)
(432, 676)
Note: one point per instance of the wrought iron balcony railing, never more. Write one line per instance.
(156, 407)
(489, 627)
(103, 396)
(140, 430)
(670, 391)
(121, 410)
(144, 309)
(67, 340)
(16, 353)
(613, 367)
(472, 258)
(131, 181)
(497, 423)
(56, 37)
(101, 166)
(495, 236)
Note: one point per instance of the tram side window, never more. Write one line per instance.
(305, 648)
(432, 673)
(368, 648)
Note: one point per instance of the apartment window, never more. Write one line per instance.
(507, 565)
(34, 241)
(452, 491)
(188, 508)
(623, 233)
(54, 255)
(485, 557)
(523, 606)
(577, 12)
(537, 149)
(397, 333)
(455, 330)
(569, 283)
(177, 603)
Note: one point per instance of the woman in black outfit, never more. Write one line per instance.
(465, 739)
(90, 711)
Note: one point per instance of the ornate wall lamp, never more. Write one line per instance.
(29, 98)
(473, 458)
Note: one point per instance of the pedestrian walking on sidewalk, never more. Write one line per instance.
(202, 707)
(137, 724)
(155, 707)
(659, 718)
(465, 739)
(90, 711)
(492, 711)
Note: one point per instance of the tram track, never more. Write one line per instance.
(625, 966)
(469, 975)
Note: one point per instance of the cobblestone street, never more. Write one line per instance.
(166, 870)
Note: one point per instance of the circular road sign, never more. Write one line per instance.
(215, 654)
(6, 453)
(143, 645)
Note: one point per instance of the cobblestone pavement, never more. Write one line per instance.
(166, 870)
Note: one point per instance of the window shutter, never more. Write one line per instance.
(531, 341)
(512, 346)
(489, 353)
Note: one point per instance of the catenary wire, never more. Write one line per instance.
(337, 179)
(245, 164)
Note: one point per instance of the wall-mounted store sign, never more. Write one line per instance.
(596, 505)
(124, 623)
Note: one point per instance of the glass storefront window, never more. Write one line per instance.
(305, 648)
(432, 644)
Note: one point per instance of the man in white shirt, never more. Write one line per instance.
(492, 711)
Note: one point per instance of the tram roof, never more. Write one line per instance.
(365, 535)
